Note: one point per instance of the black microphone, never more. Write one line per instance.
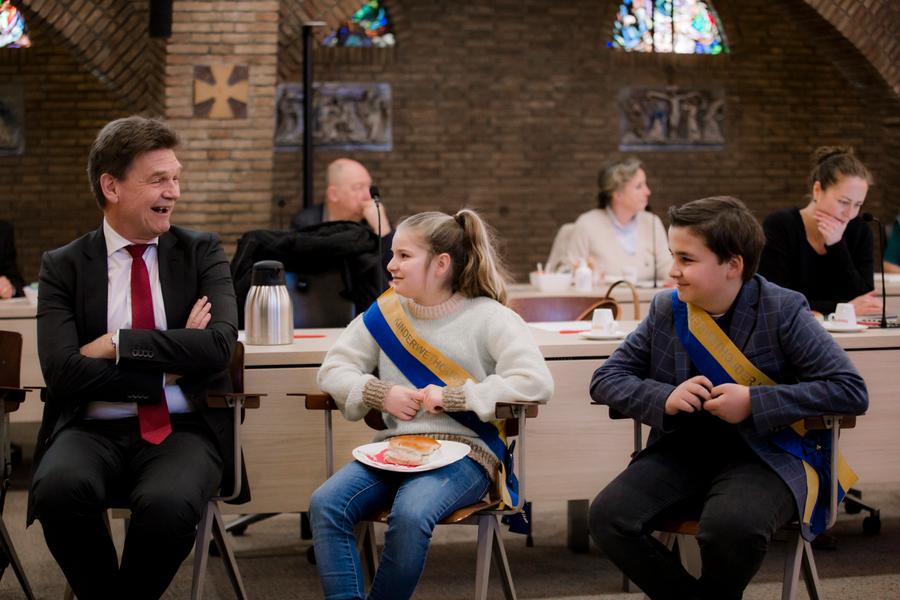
(868, 218)
(649, 209)
(376, 198)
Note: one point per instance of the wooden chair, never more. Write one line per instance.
(211, 526)
(572, 308)
(12, 396)
(485, 514)
(560, 308)
(799, 560)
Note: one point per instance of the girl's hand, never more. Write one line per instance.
(402, 402)
(433, 398)
(866, 304)
(831, 228)
(200, 315)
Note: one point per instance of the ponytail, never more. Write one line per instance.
(476, 268)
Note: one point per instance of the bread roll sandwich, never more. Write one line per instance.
(411, 450)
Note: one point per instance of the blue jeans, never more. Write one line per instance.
(418, 501)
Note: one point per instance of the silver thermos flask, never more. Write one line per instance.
(268, 312)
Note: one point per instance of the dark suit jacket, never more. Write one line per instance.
(72, 311)
(8, 266)
(775, 329)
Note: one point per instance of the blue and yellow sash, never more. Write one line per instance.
(423, 364)
(716, 357)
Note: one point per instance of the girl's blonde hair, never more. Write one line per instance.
(476, 268)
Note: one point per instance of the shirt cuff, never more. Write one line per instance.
(115, 343)
(374, 392)
(454, 399)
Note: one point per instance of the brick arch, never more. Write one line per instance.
(110, 40)
(871, 27)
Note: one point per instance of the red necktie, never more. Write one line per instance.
(153, 418)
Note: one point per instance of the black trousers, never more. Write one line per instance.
(739, 500)
(97, 464)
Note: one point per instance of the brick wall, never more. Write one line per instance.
(227, 184)
(45, 190)
(509, 107)
(874, 27)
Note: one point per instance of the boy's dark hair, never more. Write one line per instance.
(120, 142)
(727, 227)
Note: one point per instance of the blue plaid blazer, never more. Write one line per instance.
(775, 329)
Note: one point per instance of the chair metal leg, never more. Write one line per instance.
(792, 563)
(238, 525)
(486, 534)
(201, 551)
(227, 553)
(502, 562)
(810, 575)
(10, 550)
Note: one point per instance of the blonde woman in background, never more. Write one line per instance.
(620, 235)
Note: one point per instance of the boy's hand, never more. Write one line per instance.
(689, 396)
(433, 398)
(730, 402)
(403, 402)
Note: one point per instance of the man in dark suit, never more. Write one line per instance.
(136, 322)
(11, 282)
(715, 450)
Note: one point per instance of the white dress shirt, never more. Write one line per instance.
(118, 316)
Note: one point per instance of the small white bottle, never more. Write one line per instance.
(583, 277)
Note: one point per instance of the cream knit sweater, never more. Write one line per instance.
(594, 236)
(487, 339)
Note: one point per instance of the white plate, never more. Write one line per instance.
(449, 452)
(596, 335)
(842, 327)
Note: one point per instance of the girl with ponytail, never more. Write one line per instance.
(461, 350)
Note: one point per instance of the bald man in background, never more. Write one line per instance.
(346, 199)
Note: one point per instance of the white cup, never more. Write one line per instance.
(629, 274)
(602, 321)
(844, 313)
(31, 293)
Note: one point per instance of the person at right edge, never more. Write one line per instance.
(823, 250)
(720, 369)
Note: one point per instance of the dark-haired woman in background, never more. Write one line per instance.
(823, 250)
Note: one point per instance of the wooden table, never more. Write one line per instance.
(284, 444)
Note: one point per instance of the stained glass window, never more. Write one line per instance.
(369, 26)
(680, 26)
(13, 30)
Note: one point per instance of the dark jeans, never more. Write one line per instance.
(740, 501)
(96, 464)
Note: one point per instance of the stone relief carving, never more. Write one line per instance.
(346, 116)
(671, 118)
(12, 123)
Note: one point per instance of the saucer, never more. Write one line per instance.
(836, 327)
(597, 335)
